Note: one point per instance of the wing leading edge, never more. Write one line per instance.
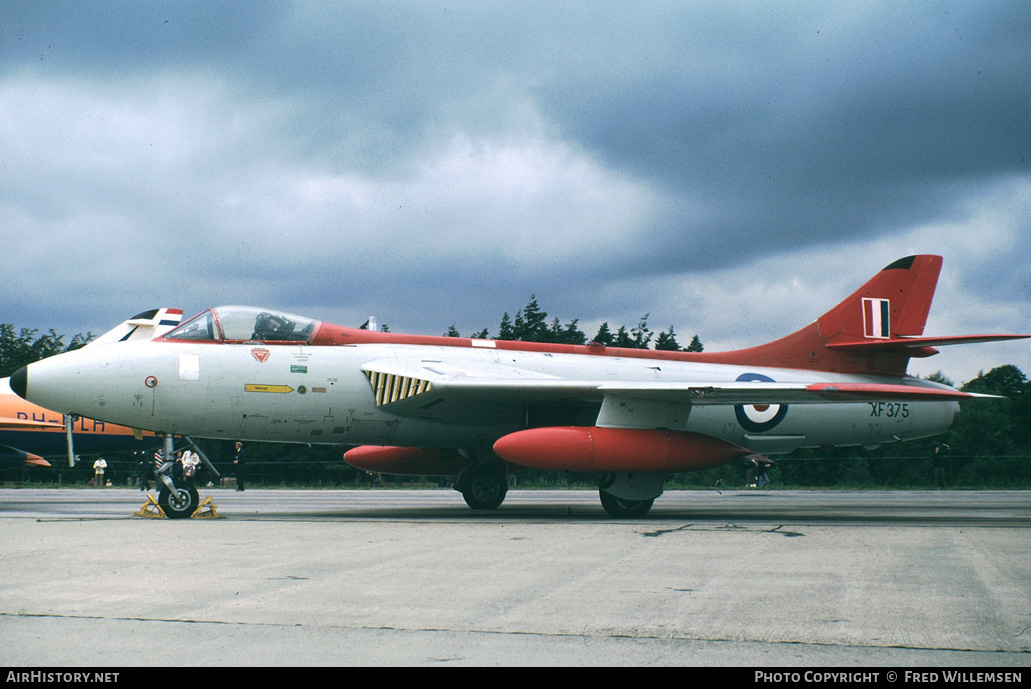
(409, 387)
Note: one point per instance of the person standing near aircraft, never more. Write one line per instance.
(939, 459)
(761, 478)
(239, 462)
(190, 463)
(143, 472)
(99, 467)
(751, 473)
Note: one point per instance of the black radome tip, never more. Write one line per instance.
(20, 381)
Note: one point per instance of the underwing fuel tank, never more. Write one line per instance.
(592, 448)
(406, 460)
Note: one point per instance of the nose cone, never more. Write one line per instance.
(52, 382)
(20, 381)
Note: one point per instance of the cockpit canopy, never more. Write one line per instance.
(245, 324)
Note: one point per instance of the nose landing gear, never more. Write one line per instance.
(179, 502)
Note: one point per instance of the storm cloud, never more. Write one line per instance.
(732, 169)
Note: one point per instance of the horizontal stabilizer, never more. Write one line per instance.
(906, 343)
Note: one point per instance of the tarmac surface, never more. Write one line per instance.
(387, 577)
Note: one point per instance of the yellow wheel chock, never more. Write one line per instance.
(151, 509)
(206, 510)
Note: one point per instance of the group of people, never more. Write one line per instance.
(187, 464)
(756, 475)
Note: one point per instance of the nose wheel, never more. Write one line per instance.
(179, 503)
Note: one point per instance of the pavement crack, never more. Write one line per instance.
(663, 532)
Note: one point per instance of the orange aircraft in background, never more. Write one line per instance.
(29, 433)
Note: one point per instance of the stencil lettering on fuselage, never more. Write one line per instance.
(762, 417)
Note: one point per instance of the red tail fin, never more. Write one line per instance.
(861, 334)
(894, 303)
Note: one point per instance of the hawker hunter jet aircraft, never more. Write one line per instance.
(28, 432)
(477, 408)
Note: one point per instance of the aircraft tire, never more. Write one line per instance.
(180, 506)
(621, 509)
(485, 489)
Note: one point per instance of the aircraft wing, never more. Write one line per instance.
(414, 387)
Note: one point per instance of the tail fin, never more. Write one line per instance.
(892, 304)
(142, 326)
(876, 330)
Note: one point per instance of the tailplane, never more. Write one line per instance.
(876, 330)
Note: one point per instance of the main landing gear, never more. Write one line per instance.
(623, 495)
(483, 486)
(629, 495)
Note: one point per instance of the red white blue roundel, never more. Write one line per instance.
(757, 418)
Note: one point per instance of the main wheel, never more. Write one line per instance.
(485, 490)
(618, 507)
(179, 504)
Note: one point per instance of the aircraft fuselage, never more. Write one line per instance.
(320, 395)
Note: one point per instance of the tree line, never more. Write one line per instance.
(989, 445)
(531, 324)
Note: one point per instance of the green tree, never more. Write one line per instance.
(638, 338)
(531, 323)
(993, 427)
(939, 377)
(23, 347)
(667, 341)
(568, 334)
(695, 346)
(506, 331)
(604, 336)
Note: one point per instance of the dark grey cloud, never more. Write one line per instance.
(105, 39)
(439, 163)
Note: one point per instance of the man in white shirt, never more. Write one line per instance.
(98, 471)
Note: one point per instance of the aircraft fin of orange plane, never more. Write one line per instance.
(35, 460)
(12, 457)
(142, 326)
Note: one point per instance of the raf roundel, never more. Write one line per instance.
(759, 417)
